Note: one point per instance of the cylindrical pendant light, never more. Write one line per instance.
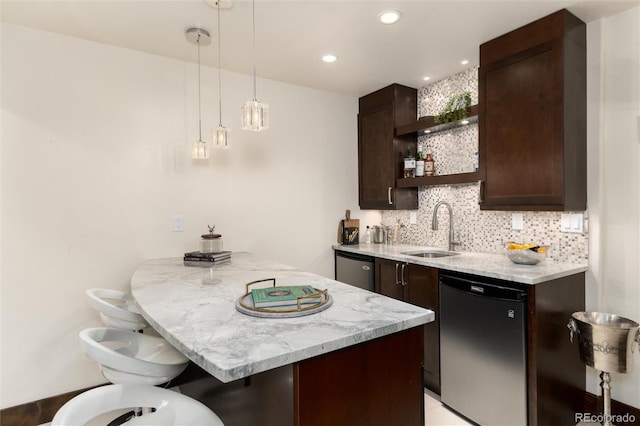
(220, 134)
(255, 115)
(200, 148)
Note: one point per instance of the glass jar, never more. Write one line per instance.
(211, 243)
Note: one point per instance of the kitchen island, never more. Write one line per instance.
(357, 362)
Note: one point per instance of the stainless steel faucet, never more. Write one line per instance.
(434, 223)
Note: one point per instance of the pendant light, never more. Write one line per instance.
(255, 115)
(220, 134)
(200, 148)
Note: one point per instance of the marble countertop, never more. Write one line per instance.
(486, 265)
(194, 309)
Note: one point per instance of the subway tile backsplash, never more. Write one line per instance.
(476, 230)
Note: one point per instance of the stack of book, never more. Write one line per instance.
(196, 258)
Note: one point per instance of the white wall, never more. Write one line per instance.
(95, 162)
(613, 279)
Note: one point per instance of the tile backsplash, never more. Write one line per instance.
(476, 230)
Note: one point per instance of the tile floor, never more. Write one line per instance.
(436, 414)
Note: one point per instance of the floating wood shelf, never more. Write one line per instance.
(451, 179)
(427, 125)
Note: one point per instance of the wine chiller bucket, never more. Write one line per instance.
(607, 342)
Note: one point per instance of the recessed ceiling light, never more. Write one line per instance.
(464, 62)
(329, 58)
(389, 16)
(426, 78)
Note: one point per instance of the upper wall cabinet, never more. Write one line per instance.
(532, 117)
(380, 152)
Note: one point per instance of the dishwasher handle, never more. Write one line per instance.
(483, 289)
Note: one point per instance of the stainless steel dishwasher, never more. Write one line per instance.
(483, 349)
(355, 269)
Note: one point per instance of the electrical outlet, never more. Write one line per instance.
(517, 221)
(413, 218)
(177, 224)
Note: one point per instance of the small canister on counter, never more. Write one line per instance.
(211, 243)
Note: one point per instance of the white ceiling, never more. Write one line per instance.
(431, 38)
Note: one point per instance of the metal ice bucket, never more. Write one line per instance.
(606, 341)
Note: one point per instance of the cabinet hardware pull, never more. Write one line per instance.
(397, 279)
(404, 283)
(481, 191)
(389, 195)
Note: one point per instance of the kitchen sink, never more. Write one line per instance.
(431, 253)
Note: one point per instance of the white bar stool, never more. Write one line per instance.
(171, 408)
(132, 358)
(117, 309)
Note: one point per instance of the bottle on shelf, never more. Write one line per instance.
(409, 165)
(420, 163)
(429, 164)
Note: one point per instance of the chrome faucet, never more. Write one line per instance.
(434, 223)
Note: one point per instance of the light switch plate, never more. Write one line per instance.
(572, 223)
(413, 218)
(517, 221)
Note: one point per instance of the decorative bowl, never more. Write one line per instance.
(526, 254)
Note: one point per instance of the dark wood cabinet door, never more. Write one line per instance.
(417, 285)
(523, 156)
(375, 157)
(387, 278)
(532, 116)
(422, 290)
(380, 152)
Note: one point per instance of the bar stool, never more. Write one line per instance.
(171, 408)
(121, 314)
(132, 358)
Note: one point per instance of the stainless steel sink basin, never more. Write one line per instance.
(431, 253)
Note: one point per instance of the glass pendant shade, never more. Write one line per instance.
(221, 137)
(255, 116)
(200, 150)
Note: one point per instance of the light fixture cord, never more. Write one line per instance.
(255, 99)
(219, 68)
(199, 103)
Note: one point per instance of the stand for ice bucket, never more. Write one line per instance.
(606, 344)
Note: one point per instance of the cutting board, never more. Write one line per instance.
(348, 230)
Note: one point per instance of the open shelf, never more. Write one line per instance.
(426, 125)
(438, 180)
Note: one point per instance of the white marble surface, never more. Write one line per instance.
(486, 265)
(194, 309)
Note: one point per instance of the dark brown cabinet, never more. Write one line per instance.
(532, 116)
(417, 285)
(380, 152)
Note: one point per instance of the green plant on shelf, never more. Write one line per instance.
(456, 108)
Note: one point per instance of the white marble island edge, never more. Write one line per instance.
(194, 309)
